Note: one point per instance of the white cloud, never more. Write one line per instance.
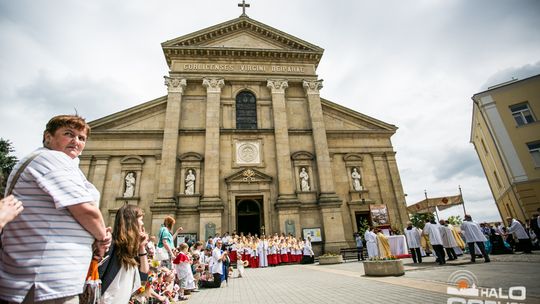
(415, 65)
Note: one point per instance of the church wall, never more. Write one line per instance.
(298, 108)
(193, 112)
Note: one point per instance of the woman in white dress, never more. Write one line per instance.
(126, 258)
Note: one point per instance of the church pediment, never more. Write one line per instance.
(149, 116)
(339, 118)
(248, 175)
(245, 40)
(241, 37)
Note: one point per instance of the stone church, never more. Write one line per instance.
(243, 141)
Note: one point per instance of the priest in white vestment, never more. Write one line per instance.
(515, 228)
(473, 235)
(413, 241)
(431, 229)
(449, 242)
(371, 243)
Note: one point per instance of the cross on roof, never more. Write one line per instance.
(243, 5)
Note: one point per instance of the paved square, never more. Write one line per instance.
(345, 283)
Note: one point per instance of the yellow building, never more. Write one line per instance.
(505, 132)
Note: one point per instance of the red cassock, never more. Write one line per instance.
(233, 256)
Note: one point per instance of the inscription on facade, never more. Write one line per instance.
(245, 68)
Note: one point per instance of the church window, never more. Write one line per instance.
(246, 111)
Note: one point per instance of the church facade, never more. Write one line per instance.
(244, 142)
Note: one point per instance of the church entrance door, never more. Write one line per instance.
(248, 215)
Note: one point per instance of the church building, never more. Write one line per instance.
(243, 141)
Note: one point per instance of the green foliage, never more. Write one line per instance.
(364, 225)
(420, 219)
(455, 220)
(7, 162)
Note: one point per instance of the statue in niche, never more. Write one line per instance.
(210, 230)
(190, 183)
(357, 180)
(304, 180)
(289, 227)
(130, 184)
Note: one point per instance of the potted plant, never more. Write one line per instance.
(381, 267)
(330, 258)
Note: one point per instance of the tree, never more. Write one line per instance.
(420, 219)
(455, 220)
(7, 162)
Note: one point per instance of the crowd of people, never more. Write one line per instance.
(57, 247)
(190, 266)
(444, 239)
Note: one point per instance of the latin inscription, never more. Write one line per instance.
(244, 68)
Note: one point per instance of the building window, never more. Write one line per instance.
(246, 111)
(497, 179)
(484, 146)
(534, 149)
(522, 114)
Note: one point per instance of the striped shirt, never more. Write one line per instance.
(45, 246)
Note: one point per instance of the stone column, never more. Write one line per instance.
(211, 206)
(281, 134)
(166, 193)
(401, 207)
(329, 201)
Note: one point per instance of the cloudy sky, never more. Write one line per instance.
(414, 64)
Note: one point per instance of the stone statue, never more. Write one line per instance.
(304, 177)
(289, 227)
(190, 183)
(130, 184)
(357, 180)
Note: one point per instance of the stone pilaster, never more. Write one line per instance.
(211, 149)
(329, 201)
(211, 207)
(400, 207)
(166, 192)
(283, 152)
(100, 173)
(324, 166)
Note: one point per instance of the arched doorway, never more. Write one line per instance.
(249, 215)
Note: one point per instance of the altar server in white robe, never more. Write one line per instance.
(431, 229)
(473, 235)
(515, 228)
(413, 241)
(449, 242)
(371, 243)
(262, 250)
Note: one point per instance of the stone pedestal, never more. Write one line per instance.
(329, 260)
(384, 268)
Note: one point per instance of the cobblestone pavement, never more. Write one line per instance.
(345, 283)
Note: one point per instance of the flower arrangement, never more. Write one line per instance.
(380, 259)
